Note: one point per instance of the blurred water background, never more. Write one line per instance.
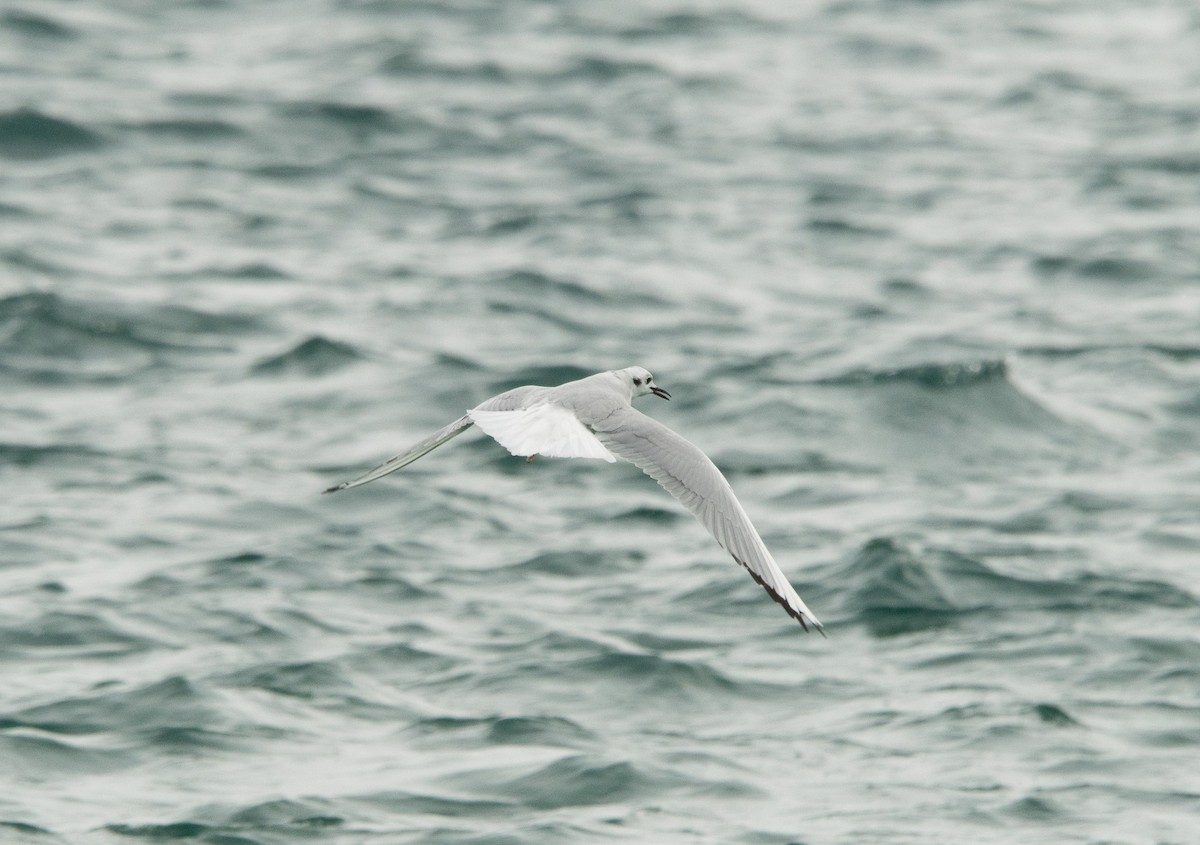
(922, 277)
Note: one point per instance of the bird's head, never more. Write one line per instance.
(640, 382)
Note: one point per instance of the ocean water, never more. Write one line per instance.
(923, 277)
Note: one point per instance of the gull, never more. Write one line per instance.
(593, 418)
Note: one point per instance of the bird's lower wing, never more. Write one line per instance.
(542, 429)
(407, 457)
(688, 475)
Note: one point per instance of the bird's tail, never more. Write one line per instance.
(407, 457)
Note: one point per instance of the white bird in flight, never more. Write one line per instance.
(593, 418)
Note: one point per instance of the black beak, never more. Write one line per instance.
(660, 393)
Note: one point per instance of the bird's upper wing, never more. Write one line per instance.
(541, 429)
(688, 475)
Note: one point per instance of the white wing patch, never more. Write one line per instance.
(544, 429)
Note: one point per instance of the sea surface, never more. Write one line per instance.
(923, 277)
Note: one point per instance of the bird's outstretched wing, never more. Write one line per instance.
(408, 456)
(688, 475)
(542, 429)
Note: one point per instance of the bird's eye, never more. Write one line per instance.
(638, 382)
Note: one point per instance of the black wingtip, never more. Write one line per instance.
(334, 488)
(782, 602)
(805, 621)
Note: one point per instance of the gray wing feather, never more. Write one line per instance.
(509, 400)
(686, 473)
(409, 455)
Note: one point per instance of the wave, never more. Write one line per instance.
(33, 25)
(540, 286)
(312, 357)
(895, 590)
(282, 820)
(307, 680)
(173, 703)
(28, 832)
(954, 418)
(34, 756)
(573, 564)
(576, 308)
(50, 337)
(1113, 268)
(1172, 351)
(26, 455)
(604, 69)
(544, 375)
(256, 270)
(829, 225)
(29, 134)
(691, 24)
(409, 62)
(584, 780)
(61, 633)
(548, 731)
(357, 117)
(407, 803)
(953, 374)
(189, 129)
(573, 781)
(656, 676)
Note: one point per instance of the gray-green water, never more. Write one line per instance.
(921, 276)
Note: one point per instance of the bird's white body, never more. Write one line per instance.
(594, 418)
